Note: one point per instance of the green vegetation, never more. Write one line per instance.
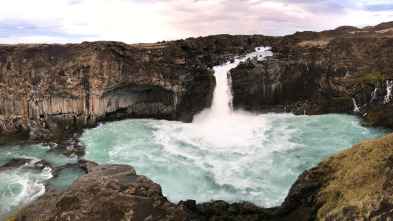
(373, 78)
(355, 178)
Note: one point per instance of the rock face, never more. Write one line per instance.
(49, 91)
(320, 72)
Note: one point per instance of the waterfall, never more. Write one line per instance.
(221, 109)
(355, 107)
(388, 96)
(374, 93)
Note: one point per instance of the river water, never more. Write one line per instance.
(223, 154)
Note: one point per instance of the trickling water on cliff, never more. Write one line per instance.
(389, 87)
(355, 106)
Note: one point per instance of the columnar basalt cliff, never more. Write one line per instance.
(49, 91)
(320, 72)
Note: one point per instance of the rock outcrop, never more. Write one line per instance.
(322, 72)
(50, 91)
(354, 184)
(107, 192)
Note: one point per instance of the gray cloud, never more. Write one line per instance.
(74, 2)
(22, 28)
(379, 7)
(243, 17)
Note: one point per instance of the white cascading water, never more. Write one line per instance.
(355, 106)
(374, 93)
(216, 124)
(389, 87)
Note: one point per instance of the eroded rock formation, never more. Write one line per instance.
(320, 72)
(49, 91)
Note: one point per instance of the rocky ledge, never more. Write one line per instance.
(116, 192)
(47, 92)
(322, 72)
(355, 184)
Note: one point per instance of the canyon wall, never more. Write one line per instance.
(49, 91)
(322, 72)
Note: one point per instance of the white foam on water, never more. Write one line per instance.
(257, 163)
(19, 187)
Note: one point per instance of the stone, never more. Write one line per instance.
(102, 195)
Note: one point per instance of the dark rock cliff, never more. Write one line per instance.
(49, 91)
(320, 72)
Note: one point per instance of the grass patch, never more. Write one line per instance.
(357, 177)
(371, 78)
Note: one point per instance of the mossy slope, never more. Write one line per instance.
(354, 184)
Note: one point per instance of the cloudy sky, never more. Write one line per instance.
(134, 21)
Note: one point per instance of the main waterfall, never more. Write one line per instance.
(220, 124)
(222, 98)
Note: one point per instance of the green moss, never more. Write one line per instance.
(340, 98)
(372, 78)
(355, 177)
(19, 213)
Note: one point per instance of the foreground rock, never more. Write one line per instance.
(107, 192)
(355, 184)
(322, 72)
(50, 91)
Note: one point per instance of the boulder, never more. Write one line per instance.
(107, 192)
